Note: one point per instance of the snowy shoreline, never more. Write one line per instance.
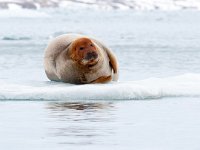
(166, 5)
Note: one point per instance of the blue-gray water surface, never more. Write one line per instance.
(147, 44)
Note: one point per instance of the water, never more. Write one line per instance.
(157, 124)
(170, 40)
(149, 45)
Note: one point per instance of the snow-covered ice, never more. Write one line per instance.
(181, 86)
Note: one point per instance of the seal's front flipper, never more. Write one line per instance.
(102, 79)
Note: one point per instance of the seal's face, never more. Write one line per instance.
(84, 52)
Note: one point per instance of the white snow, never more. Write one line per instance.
(152, 88)
(107, 4)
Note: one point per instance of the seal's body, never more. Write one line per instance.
(78, 59)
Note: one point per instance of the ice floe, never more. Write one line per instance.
(187, 85)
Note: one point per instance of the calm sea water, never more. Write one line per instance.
(147, 44)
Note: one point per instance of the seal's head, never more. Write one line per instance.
(84, 52)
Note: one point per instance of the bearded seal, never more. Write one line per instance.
(78, 59)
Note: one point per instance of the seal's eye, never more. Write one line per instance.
(81, 48)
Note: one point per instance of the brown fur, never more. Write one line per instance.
(80, 48)
(102, 79)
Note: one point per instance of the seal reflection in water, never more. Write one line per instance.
(61, 106)
(78, 59)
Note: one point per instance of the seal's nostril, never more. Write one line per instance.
(91, 55)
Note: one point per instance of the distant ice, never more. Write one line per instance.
(152, 88)
(12, 38)
(17, 12)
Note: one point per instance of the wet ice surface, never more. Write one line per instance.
(156, 50)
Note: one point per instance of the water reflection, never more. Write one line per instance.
(79, 123)
(61, 106)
